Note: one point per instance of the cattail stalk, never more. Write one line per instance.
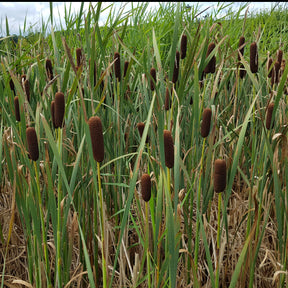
(126, 64)
(95, 126)
(146, 195)
(183, 46)
(176, 68)
(219, 186)
(269, 114)
(32, 142)
(198, 206)
(117, 66)
(49, 69)
(59, 109)
(17, 108)
(270, 71)
(206, 122)
(168, 149)
(211, 66)
(96, 134)
(27, 89)
(153, 80)
(253, 58)
(79, 58)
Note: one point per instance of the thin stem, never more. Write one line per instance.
(198, 206)
(59, 197)
(102, 228)
(43, 225)
(147, 243)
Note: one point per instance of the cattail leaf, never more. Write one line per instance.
(157, 53)
(171, 235)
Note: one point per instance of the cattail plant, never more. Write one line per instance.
(269, 113)
(153, 80)
(146, 187)
(146, 195)
(17, 109)
(117, 66)
(59, 109)
(53, 114)
(176, 67)
(79, 57)
(141, 127)
(49, 69)
(27, 89)
(277, 67)
(168, 149)
(241, 47)
(211, 66)
(205, 124)
(167, 103)
(95, 126)
(32, 142)
(12, 86)
(97, 140)
(279, 55)
(183, 46)
(253, 57)
(126, 64)
(269, 69)
(219, 175)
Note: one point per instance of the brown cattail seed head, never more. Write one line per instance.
(17, 110)
(27, 89)
(53, 114)
(168, 149)
(12, 87)
(211, 66)
(126, 64)
(219, 175)
(32, 142)
(167, 104)
(117, 66)
(153, 75)
(241, 49)
(206, 120)
(270, 62)
(176, 67)
(79, 57)
(253, 58)
(59, 109)
(96, 134)
(141, 127)
(146, 187)
(279, 55)
(183, 46)
(277, 71)
(49, 69)
(269, 116)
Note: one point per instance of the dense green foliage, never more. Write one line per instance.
(81, 221)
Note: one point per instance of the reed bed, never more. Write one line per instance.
(163, 164)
